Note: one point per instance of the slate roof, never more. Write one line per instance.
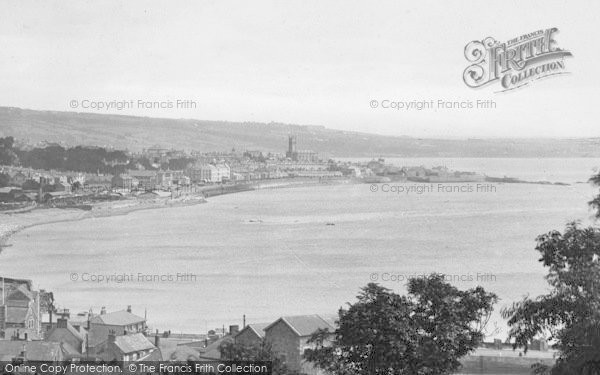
(20, 292)
(257, 328)
(57, 334)
(303, 325)
(133, 343)
(117, 318)
(155, 355)
(213, 350)
(184, 353)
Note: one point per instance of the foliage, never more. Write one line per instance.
(180, 163)
(80, 158)
(261, 351)
(570, 313)
(7, 153)
(4, 180)
(595, 203)
(424, 332)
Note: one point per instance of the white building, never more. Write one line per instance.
(210, 173)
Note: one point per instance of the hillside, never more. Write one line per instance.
(136, 133)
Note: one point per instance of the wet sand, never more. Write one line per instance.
(13, 222)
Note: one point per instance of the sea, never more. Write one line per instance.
(308, 250)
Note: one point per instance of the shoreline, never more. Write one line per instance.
(39, 216)
(122, 207)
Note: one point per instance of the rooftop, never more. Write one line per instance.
(57, 334)
(258, 328)
(133, 343)
(117, 318)
(303, 325)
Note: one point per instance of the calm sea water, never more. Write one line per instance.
(274, 252)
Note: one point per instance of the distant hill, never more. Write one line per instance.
(135, 133)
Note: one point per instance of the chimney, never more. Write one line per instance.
(234, 329)
(111, 336)
(103, 310)
(157, 340)
(61, 323)
(129, 309)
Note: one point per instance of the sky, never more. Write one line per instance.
(298, 62)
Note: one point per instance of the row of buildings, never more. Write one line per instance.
(31, 329)
(288, 338)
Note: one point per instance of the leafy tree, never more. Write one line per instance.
(180, 163)
(570, 313)
(7, 154)
(4, 179)
(7, 142)
(424, 332)
(232, 351)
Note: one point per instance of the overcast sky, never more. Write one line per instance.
(301, 62)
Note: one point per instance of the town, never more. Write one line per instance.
(32, 328)
(53, 175)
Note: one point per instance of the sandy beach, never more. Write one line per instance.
(13, 222)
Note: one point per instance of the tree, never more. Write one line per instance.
(570, 313)
(7, 154)
(424, 332)
(4, 180)
(232, 351)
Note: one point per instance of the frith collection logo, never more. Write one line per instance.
(515, 63)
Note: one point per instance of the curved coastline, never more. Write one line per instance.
(58, 215)
(41, 216)
(37, 217)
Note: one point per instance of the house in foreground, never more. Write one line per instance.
(119, 323)
(64, 333)
(20, 316)
(133, 347)
(251, 335)
(288, 337)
